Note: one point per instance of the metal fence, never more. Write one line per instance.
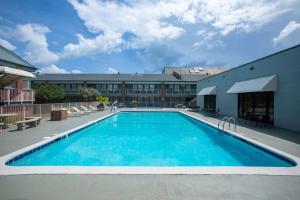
(19, 112)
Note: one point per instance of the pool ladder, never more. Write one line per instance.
(229, 120)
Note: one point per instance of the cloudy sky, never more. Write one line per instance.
(128, 36)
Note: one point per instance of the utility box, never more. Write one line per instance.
(58, 115)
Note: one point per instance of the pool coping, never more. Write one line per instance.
(217, 170)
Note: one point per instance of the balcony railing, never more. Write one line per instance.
(16, 95)
(113, 91)
(180, 91)
(135, 91)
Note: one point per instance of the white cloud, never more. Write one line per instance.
(54, 69)
(34, 35)
(144, 19)
(288, 30)
(106, 42)
(111, 70)
(207, 39)
(151, 22)
(7, 44)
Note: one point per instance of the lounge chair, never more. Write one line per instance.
(87, 110)
(29, 121)
(80, 111)
(92, 107)
(73, 114)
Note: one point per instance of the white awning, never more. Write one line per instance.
(8, 74)
(208, 91)
(264, 84)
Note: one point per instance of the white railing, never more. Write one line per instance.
(8, 95)
(38, 110)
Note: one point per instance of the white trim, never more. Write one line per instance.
(15, 170)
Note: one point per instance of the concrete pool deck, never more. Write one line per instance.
(146, 186)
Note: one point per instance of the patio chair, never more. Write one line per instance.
(92, 107)
(80, 111)
(73, 114)
(87, 110)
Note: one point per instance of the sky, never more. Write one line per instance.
(143, 36)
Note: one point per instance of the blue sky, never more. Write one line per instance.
(143, 36)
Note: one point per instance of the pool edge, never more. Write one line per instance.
(17, 170)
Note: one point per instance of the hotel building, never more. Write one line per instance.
(266, 90)
(149, 90)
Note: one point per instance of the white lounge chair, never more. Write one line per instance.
(80, 111)
(92, 107)
(74, 114)
(85, 109)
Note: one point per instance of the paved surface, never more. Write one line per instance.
(146, 186)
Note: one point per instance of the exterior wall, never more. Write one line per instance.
(159, 96)
(285, 64)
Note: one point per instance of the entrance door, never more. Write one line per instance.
(210, 103)
(256, 106)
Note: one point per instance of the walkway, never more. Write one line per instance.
(146, 186)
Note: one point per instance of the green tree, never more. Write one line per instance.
(103, 99)
(49, 93)
(89, 93)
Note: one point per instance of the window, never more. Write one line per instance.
(140, 87)
(134, 86)
(146, 86)
(256, 106)
(151, 87)
(176, 88)
(188, 88)
(109, 87)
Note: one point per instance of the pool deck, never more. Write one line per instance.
(147, 186)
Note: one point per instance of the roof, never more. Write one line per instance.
(117, 77)
(10, 57)
(194, 70)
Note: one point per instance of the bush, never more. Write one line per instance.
(49, 93)
(89, 93)
(103, 100)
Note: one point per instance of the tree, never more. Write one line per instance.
(49, 93)
(88, 93)
(103, 100)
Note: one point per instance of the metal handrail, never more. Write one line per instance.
(234, 122)
(222, 120)
(229, 120)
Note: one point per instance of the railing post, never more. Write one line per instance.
(40, 110)
(23, 110)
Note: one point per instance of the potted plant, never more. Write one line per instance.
(134, 103)
(103, 102)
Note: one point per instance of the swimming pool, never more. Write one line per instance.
(150, 139)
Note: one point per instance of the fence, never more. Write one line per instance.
(38, 110)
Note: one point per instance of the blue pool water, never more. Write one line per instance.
(150, 139)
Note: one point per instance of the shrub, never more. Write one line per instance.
(49, 93)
